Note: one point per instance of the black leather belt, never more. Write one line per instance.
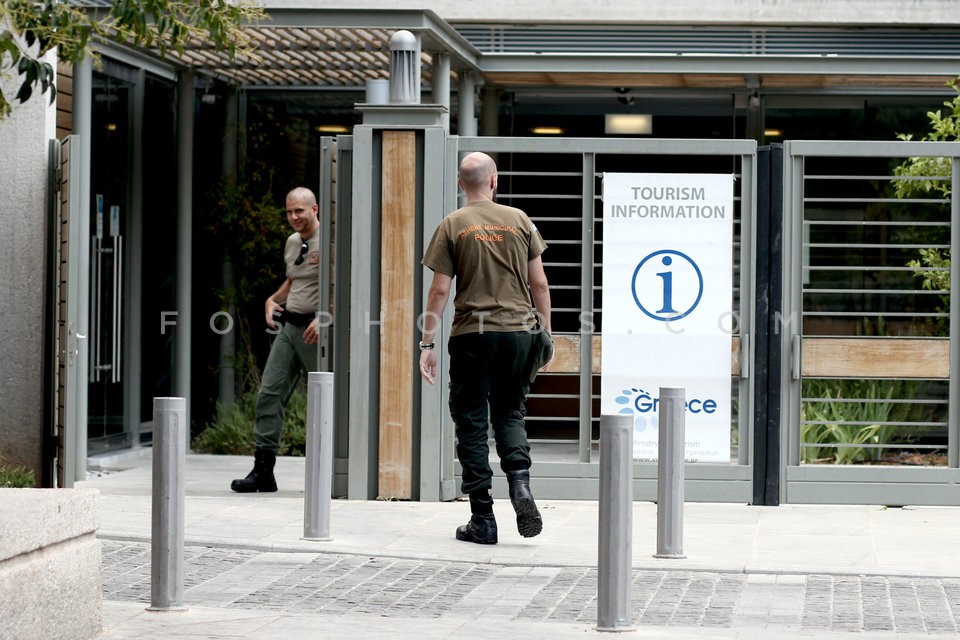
(297, 319)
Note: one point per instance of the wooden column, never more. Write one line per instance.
(398, 351)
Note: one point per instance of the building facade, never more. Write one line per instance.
(162, 134)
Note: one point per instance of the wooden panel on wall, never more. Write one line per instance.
(822, 357)
(398, 352)
(567, 354)
(64, 100)
(876, 357)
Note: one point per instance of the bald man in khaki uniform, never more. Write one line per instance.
(294, 349)
(493, 253)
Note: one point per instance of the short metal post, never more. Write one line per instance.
(319, 474)
(670, 474)
(615, 548)
(166, 554)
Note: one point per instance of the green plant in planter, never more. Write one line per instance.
(848, 421)
(843, 442)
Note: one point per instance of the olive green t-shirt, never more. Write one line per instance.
(304, 295)
(486, 246)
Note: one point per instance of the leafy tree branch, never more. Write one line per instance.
(928, 175)
(931, 176)
(29, 29)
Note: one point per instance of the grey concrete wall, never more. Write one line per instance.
(24, 138)
(51, 579)
(826, 13)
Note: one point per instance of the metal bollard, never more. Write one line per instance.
(319, 474)
(166, 552)
(615, 548)
(670, 474)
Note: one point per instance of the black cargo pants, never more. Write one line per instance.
(489, 382)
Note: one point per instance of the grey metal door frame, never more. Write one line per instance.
(340, 216)
(578, 479)
(69, 344)
(887, 485)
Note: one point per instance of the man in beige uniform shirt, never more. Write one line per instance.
(294, 350)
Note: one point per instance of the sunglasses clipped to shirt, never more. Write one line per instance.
(303, 252)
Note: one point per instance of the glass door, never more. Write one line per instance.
(110, 194)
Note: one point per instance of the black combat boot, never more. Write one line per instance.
(261, 478)
(529, 522)
(482, 527)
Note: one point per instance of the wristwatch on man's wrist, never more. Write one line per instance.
(426, 345)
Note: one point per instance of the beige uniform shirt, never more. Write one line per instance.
(304, 296)
(486, 246)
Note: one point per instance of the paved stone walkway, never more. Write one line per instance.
(341, 584)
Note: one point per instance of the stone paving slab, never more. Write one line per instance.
(394, 570)
(347, 586)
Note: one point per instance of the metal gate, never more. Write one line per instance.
(870, 325)
(841, 361)
(557, 182)
(68, 380)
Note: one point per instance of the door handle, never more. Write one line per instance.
(117, 307)
(97, 268)
(795, 357)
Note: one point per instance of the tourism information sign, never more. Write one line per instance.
(667, 305)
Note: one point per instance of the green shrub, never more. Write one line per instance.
(294, 439)
(933, 271)
(925, 177)
(16, 477)
(231, 432)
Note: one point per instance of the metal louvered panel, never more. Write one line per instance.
(713, 40)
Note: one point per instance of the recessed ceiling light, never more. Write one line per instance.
(547, 131)
(628, 123)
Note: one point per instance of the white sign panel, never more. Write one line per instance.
(667, 305)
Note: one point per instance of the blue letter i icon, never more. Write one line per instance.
(667, 287)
